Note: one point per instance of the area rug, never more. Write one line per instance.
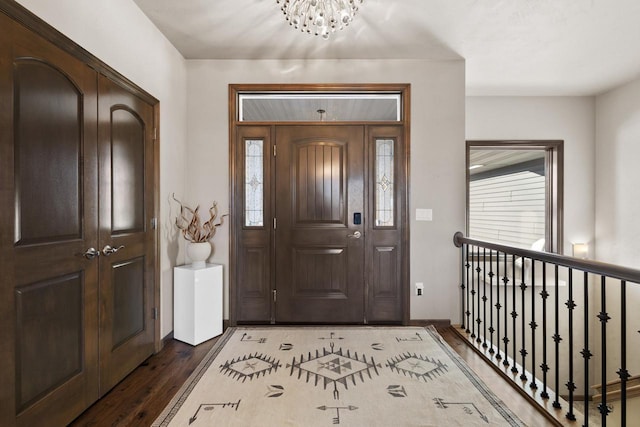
(325, 376)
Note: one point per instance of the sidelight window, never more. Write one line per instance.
(384, 209)
(254, 183)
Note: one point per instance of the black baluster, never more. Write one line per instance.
(514, 314)
(462, 286)
(586, 353)
(533, 326)
(468, 266)
(478, 271)
(604, 318)
(545, 367)
(491, 328)
(570, 384)
(498, 306)
(505, 280)
(623, 373)
(556, 340)
(484, 297)
(523, 350)
(473, 297)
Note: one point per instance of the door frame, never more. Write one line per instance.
(235, 180)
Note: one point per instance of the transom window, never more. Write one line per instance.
(319, 107)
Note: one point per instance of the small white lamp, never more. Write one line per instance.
(580, 250)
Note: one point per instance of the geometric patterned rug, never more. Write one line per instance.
(335, 375)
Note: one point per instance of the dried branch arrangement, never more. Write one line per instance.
(188, 222)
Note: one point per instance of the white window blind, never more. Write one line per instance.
(508, 209)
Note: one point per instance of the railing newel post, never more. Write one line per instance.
(467, 265)
(462, 286)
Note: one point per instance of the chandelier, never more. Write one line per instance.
(319, 17)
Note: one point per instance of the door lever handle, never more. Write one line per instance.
(108, 250)
(355, 235)
(91, 253)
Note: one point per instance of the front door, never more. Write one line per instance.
(319, 229)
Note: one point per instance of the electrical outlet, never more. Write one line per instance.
(419, 288)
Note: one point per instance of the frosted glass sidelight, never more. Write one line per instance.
(384, 193)
(254, 183)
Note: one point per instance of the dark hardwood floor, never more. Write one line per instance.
(139, 398)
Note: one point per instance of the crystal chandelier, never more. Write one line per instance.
(319, 17)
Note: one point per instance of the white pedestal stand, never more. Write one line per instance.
(197, 303)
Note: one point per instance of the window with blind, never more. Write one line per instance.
(513, 193)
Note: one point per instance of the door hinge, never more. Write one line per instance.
(275, 223)
(274, 151)
(155, 134)
(154, 313)
(275, 295)
(154, 223)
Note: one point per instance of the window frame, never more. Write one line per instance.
(554, 183)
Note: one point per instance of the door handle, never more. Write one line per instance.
(91, 253)
(108, 250)
(355, 235)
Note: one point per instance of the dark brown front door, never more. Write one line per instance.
(319, 230)
(126, 237)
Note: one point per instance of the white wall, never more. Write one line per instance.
(437, 152)
(118, 33)
(618, 210)
(570, 119)
(618, 175)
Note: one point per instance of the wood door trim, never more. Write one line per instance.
(234, 124)
(22, 15)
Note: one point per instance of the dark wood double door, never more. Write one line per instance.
(76, 244)
(321, 254)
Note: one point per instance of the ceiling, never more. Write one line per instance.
(511, 47)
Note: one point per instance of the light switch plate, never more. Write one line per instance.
(424, 214)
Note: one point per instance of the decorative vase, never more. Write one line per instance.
(198, 252)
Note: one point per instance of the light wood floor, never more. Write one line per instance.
(140, 397)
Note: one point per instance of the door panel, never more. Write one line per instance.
(319, 187)
(125, 147)
(48, 132)
(46, 309)
(127, 170)
(48, 195)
